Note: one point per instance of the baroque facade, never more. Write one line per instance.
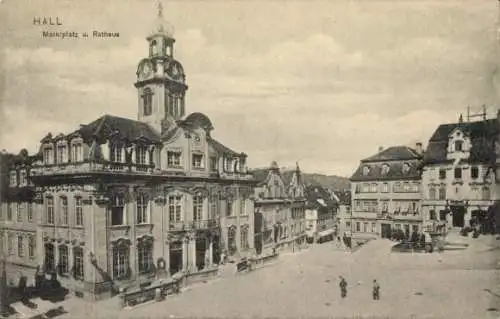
(385, 192)
(120, 202)
(279, 209)
(460, 180)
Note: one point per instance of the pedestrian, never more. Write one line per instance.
(343, 287)
(376, 290)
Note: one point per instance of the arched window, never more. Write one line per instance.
(147, 101)
(63, 265)
(121, 262)
(145, 256)
(432, 193)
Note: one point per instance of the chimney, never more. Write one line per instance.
(380, 149)
(418, 148)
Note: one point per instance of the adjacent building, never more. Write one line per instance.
(279, 209)
(386, 195)
(321, 209)
(458, 179)
(344, 213)
(119, 202)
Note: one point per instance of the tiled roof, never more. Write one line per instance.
(316, 196)
(395, 158)
(394, 153)
(481, 133)
(344, 197)
(127, 129)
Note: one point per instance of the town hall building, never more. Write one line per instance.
(121, 202)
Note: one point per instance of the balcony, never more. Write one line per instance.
(206, 223)
(179, 226)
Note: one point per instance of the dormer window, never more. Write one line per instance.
(459, 146)
(76, 152)
(115, 153)
(385, 169)
(48, 155)
(197, 161)
(23, 181)
(62, 153)
(13, 178)
(140, 155)
(147, 101)
(406, 168)
(366, 170)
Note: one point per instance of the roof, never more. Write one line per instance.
(198, 119)
(481, 133)
(127, 129)
(395, 153)
(221, 148)
(319, 198)
(344, 197)
(394, 158)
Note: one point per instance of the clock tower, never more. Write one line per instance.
(161, 86)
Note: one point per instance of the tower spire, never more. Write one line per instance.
(160, 9)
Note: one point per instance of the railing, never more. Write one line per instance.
(179, 226)
(205, 223)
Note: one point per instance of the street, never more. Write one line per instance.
(453, 284)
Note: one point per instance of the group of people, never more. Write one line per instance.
(343, 289)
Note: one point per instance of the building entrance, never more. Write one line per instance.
(458, 216)
(386, 231)
(175, 257)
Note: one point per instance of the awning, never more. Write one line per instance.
(326, 232)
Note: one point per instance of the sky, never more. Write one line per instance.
(322, 83)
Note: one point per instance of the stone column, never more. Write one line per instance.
(185, 254)
(192, 253)
(210, 252)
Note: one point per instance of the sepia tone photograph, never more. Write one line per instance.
(250, 159)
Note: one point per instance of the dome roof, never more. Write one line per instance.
(198, 119)
(161, 26)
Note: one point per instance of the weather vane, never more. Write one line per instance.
(160, 9)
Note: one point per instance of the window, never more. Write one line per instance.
(474, 172)
(197, 161)
(29, 207)
(78, 263)
(49, 257)
(63, 257)
(22, 176)
(406, 168)
(229, 207)
(48, 155)
(13, 178)
(117, 211)
(142, 209)
(147, 101)
(120, 261)
(174, 159)
(458, 173)
(442, 193)
(20, 211)
(175, 208)
(385, 169)
(213, 163)
(397, 187)
(49, 210)
(115, 153)
(385, 188)
(373, 188)
(198, 207)
(365, 227)
(385, 206)
(78, 211)
(432, 193)
(374, 227)
(31, 246)
(214, 201)
(145, 256)
(432, 214)
(9, 211)
(76, 152)
(366, 170)
(20, 246)
(244, 238)
(442, 174)
(140, 155)
(64, 210)
(459, 146)
(61, 154)
(358, 226)
(10, 244)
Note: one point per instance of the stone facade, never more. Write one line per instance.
(119, 203)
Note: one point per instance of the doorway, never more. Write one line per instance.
(458, 216)
(201, 251)
(175, 257)
(386, 230)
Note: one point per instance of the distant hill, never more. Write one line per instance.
(328, 181)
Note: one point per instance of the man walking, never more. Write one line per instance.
(343, 287)
(376, 290)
